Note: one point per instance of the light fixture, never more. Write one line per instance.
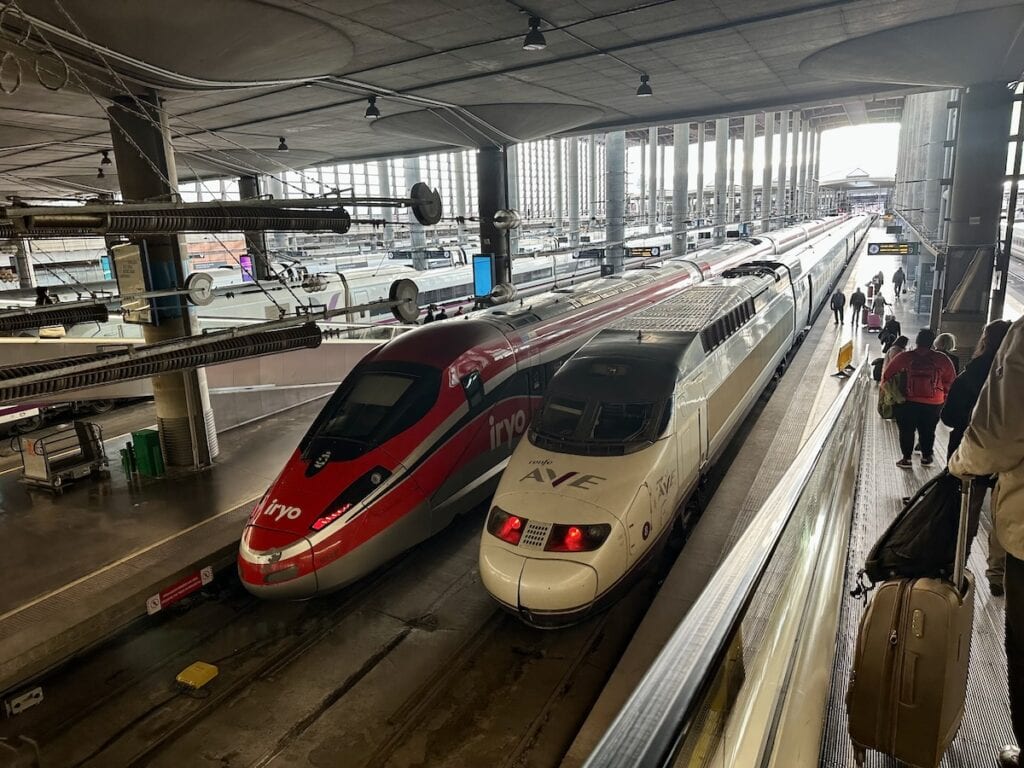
(371, 112)
(282, 146)
(645, 86)
(534, 40)
(99, 173)
(106, 157)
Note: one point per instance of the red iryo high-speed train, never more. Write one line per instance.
(422, 427)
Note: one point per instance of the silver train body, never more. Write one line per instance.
(631, 422)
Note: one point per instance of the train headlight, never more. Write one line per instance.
(505, 526)
(577, 538)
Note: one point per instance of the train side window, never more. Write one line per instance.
(473, 386)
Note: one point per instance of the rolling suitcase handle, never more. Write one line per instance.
(960, 558)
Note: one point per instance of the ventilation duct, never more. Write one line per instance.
(23, 382)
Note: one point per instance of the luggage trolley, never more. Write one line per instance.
(63, 455)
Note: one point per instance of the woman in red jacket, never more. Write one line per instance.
(928, 375)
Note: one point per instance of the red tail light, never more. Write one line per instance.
(577, 538)
(505, 526)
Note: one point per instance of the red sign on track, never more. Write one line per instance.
(172, 594)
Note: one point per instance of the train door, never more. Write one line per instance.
(810, 300)
(640, 532)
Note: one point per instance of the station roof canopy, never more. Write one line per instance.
(240, 75)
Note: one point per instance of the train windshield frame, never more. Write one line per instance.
(605, 407)
(375, 403)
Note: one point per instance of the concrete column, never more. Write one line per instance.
(800, 167)
(747, 178)
(573, 181)
(805, 197)
(662, 199)
(652, 182)
(793, 199)
(592, 177)
(945, 194)
(702, 128)
(615, 199)
(721, 159)
(817, 174)
(384, 179)
(780, 197)
(981, 148)
(936, 153)
(255, 242)
(512, 180)
(641, 208)
(23, 262)
(417, 237)
(559, 185)
(145, 168)
(680, 186)
(767, 175)
(914, 161)
(492, 196)
(730, 204)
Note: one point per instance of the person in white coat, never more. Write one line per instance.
(994, 445)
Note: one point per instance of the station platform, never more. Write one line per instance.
(762, 458)
(81, 565)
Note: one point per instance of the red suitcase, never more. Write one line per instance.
(874, 322)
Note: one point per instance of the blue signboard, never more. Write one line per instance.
(108, 270)
(483, 274)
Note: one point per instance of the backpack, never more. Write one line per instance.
(921, 541)
(922, 378)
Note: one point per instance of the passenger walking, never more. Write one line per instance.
(992, 444)
(897, 347)
(837, 304)
(928, 377)
(946, 343)
(878, 305)
(857, 302)
(899, 277)
(891, 331)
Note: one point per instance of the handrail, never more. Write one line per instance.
(654, 722)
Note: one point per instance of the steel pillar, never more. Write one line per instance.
(417, 237)
(721, 159)
(780, 197)
(701, 135)
(792, 202)
(145, 168)
(573, 179)
(492, 196)
(767, 174)
(559, 188)
(652, 181)
(255, 242)
(680, 186)
(747, 177)
(23, 262)
(615, 199)
(592, 178)
(512, 178)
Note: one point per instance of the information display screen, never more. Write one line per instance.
(483, 273)
(894, 249)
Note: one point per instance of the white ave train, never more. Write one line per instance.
(631, 422)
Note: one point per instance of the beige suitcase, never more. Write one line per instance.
(909, 677)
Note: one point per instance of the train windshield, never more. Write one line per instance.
(372, 405)
(605, 407)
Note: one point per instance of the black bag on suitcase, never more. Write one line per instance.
(921, 541)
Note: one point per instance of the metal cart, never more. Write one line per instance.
(62, 455)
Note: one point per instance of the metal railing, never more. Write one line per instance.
(761, 611)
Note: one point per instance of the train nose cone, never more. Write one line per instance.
(276, 564)
(556, 585)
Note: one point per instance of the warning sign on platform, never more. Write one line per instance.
(894, 249)
(180, 589)
(845, 356)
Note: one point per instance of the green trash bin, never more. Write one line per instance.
(148, 457)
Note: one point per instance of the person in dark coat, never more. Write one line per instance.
(837, 304)
(43, 297)
(857, 302)
(963, 395)
(430, 315)
(898, 279)
(442, 315)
